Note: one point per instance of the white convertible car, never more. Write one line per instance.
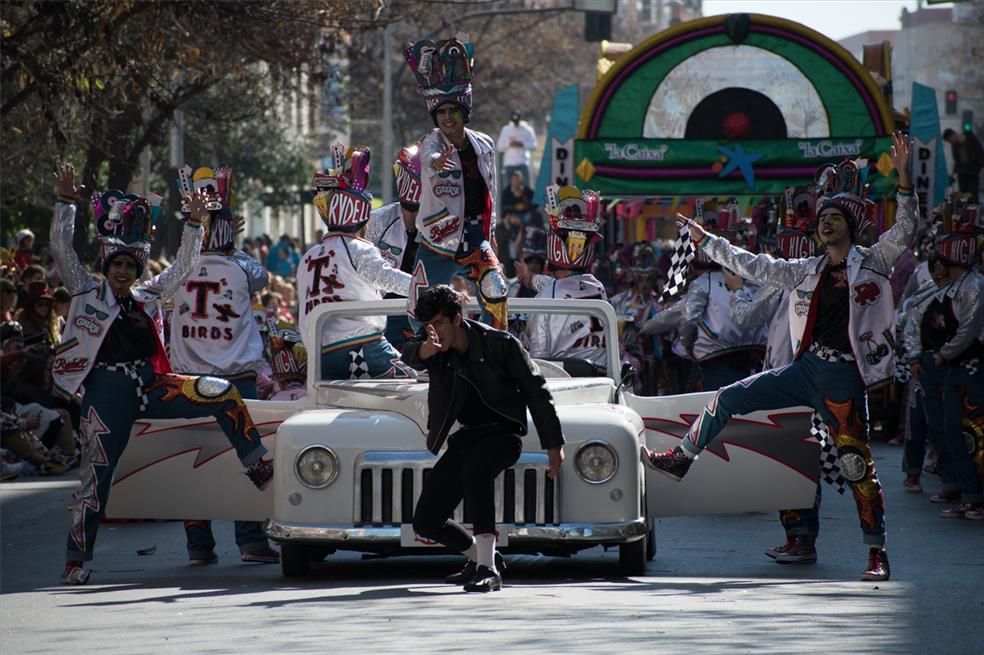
(350, 461)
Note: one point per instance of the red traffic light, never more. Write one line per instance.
(951, 95)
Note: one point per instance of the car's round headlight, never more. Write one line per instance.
(596, 462)
(316, 467)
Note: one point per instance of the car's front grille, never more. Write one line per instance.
(388, 484)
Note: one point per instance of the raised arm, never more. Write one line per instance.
(900, 236)
(166, 283)
(74, 276)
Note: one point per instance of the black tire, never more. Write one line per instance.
(294, 560)
(632, 556)
(651, 543)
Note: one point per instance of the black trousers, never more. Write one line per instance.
(969, 183)
(467, 469)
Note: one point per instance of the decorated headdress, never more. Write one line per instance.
(125, 224)
(843, 186)
(957, 232)
(444, 72)
(221, 225)
(575, 226)
(795, 233)
(406, 169)
(340, 192)
(283, 360)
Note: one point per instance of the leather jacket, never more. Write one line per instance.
(506, 379)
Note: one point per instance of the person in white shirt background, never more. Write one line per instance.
(516, 141)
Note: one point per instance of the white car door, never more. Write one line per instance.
(759, 462)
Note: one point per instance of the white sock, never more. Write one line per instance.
(471, 552)
(486, 550)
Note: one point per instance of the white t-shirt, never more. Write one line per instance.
(515, 155)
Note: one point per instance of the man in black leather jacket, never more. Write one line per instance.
(482, 378)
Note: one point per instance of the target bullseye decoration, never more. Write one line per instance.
(734, 105)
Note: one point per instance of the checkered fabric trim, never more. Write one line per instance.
(902, 371)
(471, 222)
(830, 466)
(831, 355)
(133, 370)
(972, 365)
(358, 369)
(683, 254)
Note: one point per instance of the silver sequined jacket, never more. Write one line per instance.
(872, 307)
(965, 296)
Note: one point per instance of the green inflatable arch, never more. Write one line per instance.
(614, 157)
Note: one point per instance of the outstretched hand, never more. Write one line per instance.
(197, 205)
(65, 179)
(443, 161)
(901, 151)
(697, 233)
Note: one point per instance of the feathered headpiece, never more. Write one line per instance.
(406, 169)
(221, 225)
(444, 72)
(957, 231)
(842, 186)
(795, 233)
(340, 193)
(125, 224)
(575, 226)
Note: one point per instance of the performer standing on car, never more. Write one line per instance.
(393, 229)
(458, 196)
(344, 266)
(213, 333)
(841, 328)
(113, 350)
(482, 378)
(575, 230)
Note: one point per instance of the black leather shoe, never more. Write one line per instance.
(466, 574)
(485, 580)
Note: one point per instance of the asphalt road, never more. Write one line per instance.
(709, 590)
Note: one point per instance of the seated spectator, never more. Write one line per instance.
(8, 299)
(36, 316)
(24, 255)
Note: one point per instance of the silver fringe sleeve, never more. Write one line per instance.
(374, 269)
(969, 314)
(665, 320)
(540, 337)
(912, 311)
(256, 273)
(541, 282)
(695, 302)
(73, 274)
(165, 284)
(764, 269)
(898, 238)
(751, 308)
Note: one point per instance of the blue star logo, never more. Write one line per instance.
(738, 158)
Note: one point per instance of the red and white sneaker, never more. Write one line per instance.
(878, 568)
(799, 550)
(75, 573)
(912, 484)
